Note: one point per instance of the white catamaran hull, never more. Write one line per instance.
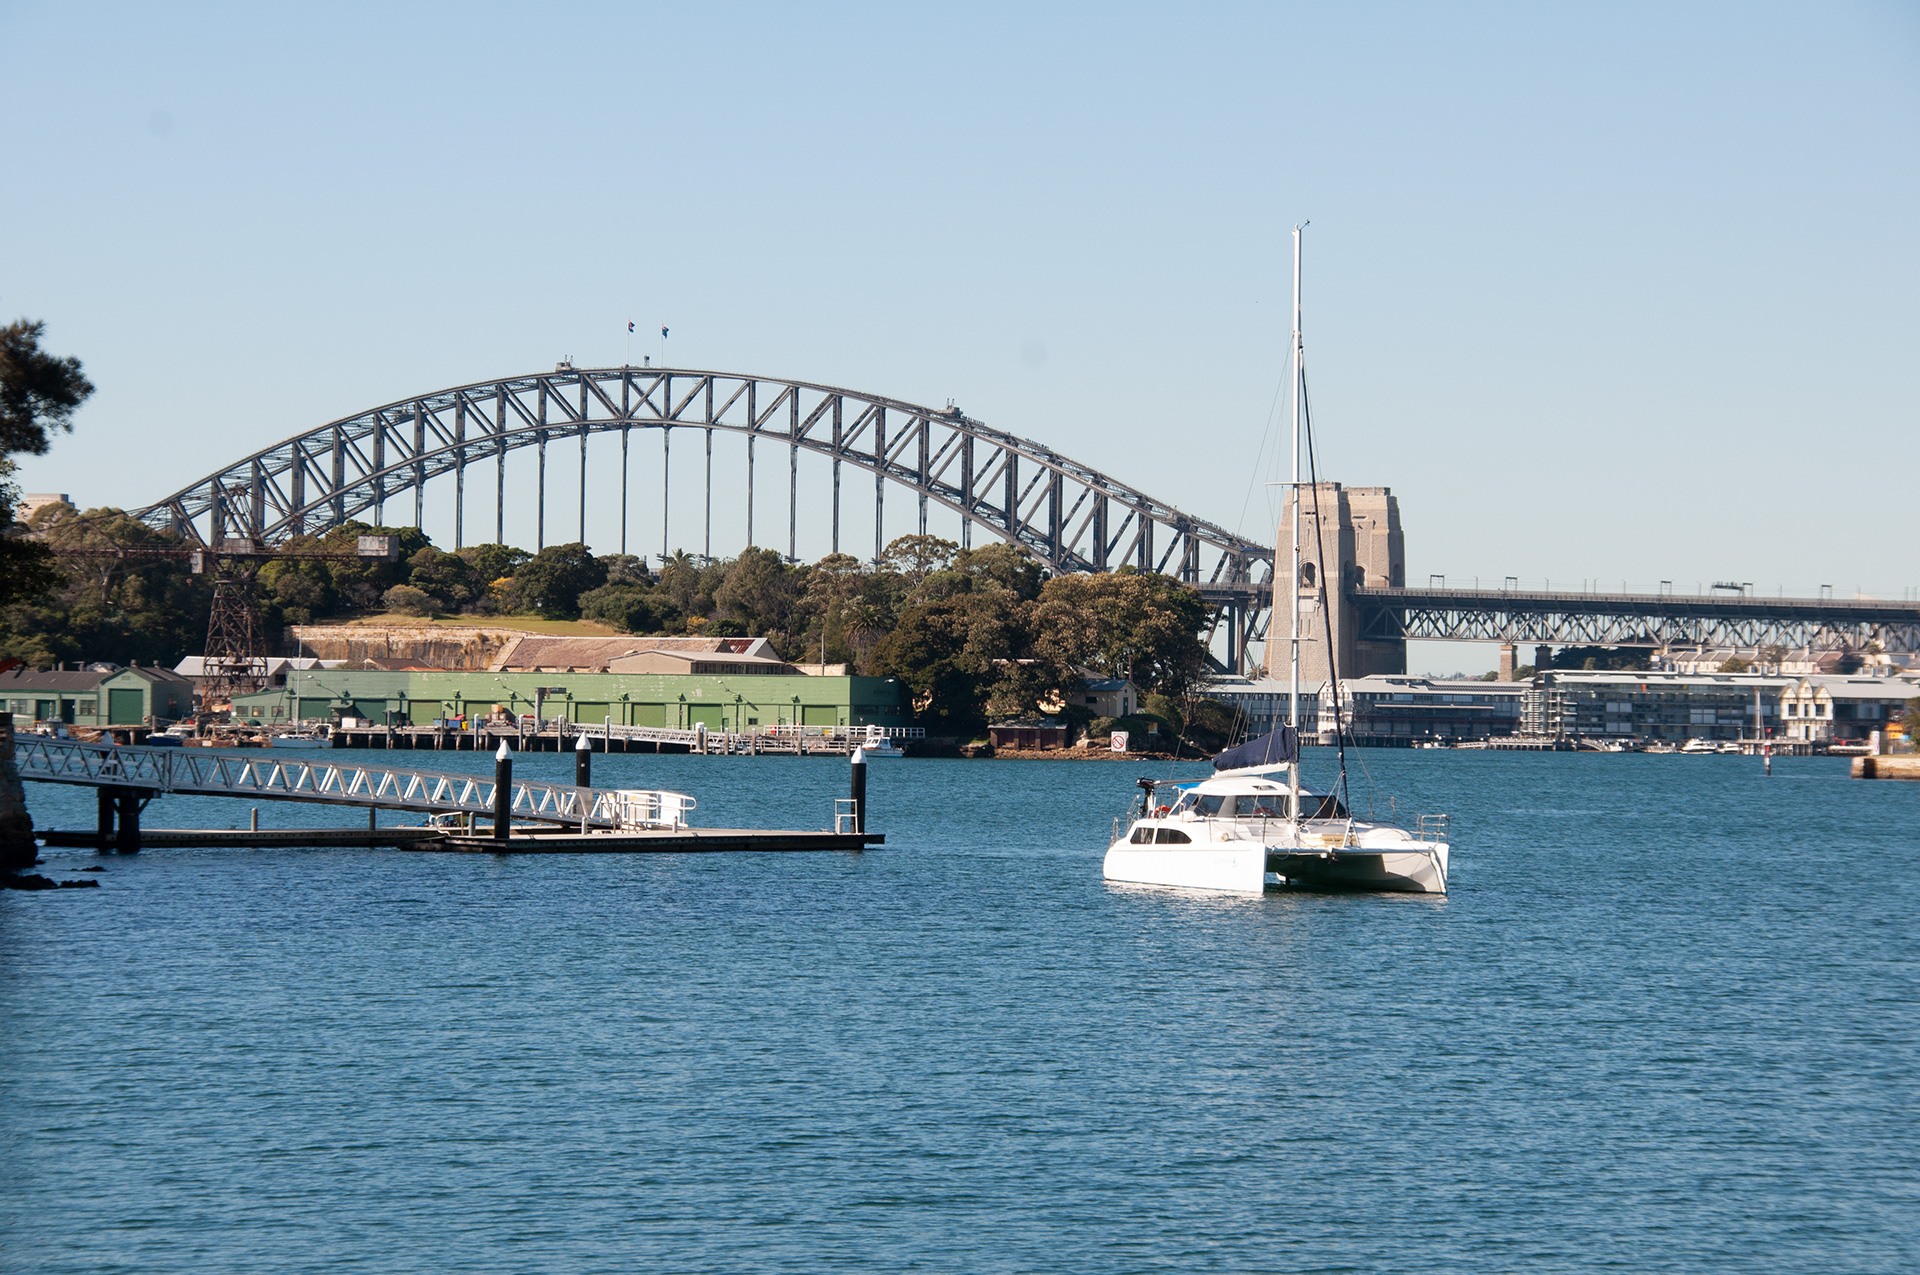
(1241, 869)
(1252, 869)
(1386, 871)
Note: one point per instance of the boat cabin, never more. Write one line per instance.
(1237, 797)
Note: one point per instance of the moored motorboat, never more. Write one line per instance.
(308, 737)
(880, 744)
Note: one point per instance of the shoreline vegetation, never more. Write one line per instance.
(974, 636)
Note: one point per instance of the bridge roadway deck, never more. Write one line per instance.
(284, 776)
(1633, 619)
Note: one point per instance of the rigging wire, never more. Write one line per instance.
(1326, 609)
(1253, 478)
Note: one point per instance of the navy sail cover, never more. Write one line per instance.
(1270, 749)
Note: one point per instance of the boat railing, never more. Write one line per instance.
(1433, 827)
(644, 808)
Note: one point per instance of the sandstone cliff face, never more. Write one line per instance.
(16, 825)
(438, 646)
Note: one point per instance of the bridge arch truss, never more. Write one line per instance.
(1068, 515)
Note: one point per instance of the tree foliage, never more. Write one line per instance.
(39, 393)
(1124, 624)
(550, 583)
(105, 606)
(974, 635)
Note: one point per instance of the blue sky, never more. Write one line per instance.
(1604, 292)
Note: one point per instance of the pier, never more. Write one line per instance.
(520, 815)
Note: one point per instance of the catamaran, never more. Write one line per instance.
(1253, 825)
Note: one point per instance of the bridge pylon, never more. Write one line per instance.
(1350, 537)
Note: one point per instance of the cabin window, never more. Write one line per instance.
(1319, 807)
(1171, 837)
(1141, 836)
(1208, 805)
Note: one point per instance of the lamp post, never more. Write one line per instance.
(540, 694)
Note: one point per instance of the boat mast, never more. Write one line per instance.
(1293, 698)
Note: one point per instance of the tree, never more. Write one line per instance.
(625, 568)
(26, 567)
(144, 607)
(954, 654)
(1601, 657)
(362, 582)
(832, 588)
(915, 557)
(760, 595)
(493, 562)
(295, 591)
(689, 584)
(625, 607)
(407, 600)
(1125, 624)
(448, 579)
(39, 393)
(552, 581)
(1006, 566)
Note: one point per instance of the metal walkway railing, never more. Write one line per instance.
(280, 778)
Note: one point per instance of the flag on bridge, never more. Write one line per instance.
(663, 334)
(629, 325)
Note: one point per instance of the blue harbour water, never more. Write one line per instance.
(1669, 1019)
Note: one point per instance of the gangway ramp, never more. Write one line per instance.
(151, 772)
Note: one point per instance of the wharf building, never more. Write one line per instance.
(1588, 705)
(1385, 710)
(674, 684)
(1396, 711)
(1677, 707)
(99, 696)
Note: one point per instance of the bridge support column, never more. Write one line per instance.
(1356, 540)
(127, 837)
(103, 824)
(1506, 661)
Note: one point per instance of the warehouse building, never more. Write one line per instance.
(96, 695)
(1394, 710)
(748, 694)
(1677, 707)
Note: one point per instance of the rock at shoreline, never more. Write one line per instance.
(34, 881)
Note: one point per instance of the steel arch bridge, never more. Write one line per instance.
(1068, 515)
